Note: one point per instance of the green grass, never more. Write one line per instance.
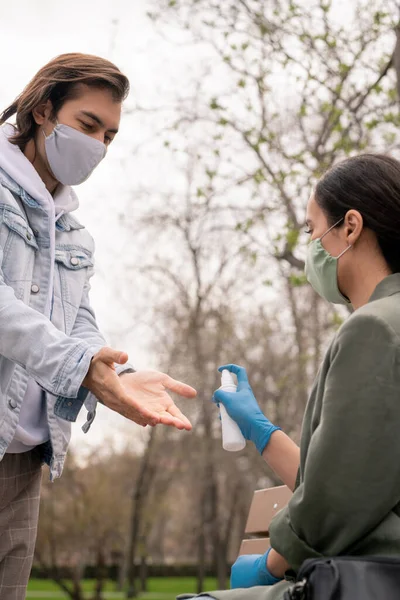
(159, 588)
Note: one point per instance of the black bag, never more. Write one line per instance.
(347, 578)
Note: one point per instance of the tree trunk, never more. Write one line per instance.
(201, 560)
(219, 562)
(226, 538)
(122, 572)
(301, 391)
(100, 575)
(143, 573)
(77, 574)
(75, 593)
(142, 485)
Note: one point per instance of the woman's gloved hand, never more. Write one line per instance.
(250, 570)
(244, 409)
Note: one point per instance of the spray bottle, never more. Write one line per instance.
(232, 438)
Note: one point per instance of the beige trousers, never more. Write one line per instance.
(20, 477)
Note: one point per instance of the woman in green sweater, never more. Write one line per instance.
(346, 473)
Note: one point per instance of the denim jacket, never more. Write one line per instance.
(56, 351)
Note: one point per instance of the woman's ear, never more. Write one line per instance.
(42, 112)
(354, 224)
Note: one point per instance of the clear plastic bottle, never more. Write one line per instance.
(232, 438)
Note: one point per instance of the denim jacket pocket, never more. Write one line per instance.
(71, 263)
(19, 246)
(74, 258)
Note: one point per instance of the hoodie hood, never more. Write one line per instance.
(18, 167)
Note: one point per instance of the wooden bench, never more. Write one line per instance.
(264, 506)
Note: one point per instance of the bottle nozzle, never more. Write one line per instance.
(227, 378)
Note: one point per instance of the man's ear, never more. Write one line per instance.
(354, 224)
(41, 113)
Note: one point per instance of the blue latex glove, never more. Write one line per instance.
(250, 570)
(244, 409)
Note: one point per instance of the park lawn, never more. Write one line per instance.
(178, 585)
(47, 585)
(158, 588)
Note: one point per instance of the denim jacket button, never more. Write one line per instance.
(35, 288)
(12, 403)
(28, 236)
(74, 261)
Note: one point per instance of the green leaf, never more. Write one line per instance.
(378, 89)
(297, 280)
(344, 69)
(390, 138)
(214, 104)
(292, 238)
(372, 124)
(248, 225)
(259, 176)
(380, 16)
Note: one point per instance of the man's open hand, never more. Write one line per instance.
(141, 397)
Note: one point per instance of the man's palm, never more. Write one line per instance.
(141, 397)
(148, 390)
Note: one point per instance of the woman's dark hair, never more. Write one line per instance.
(369, 183)
(58, 81)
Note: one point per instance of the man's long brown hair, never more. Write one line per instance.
(59, 81)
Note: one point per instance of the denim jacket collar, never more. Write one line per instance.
(65, 223)
(15, 188)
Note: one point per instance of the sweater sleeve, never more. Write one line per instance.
(351, 477)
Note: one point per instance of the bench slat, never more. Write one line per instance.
(256, 546)
(266, 503)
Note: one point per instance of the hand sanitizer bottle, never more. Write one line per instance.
(232, 438)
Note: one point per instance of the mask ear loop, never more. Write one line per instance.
(330, 229)
(345, 250)
(46, 136)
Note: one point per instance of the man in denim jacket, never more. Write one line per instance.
(52, 356)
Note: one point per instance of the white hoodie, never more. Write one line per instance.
(33, 429)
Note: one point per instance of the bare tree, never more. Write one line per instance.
(302, 87)
(83, 519)
(200, 289)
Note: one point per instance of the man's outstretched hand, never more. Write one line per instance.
(141, 397)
